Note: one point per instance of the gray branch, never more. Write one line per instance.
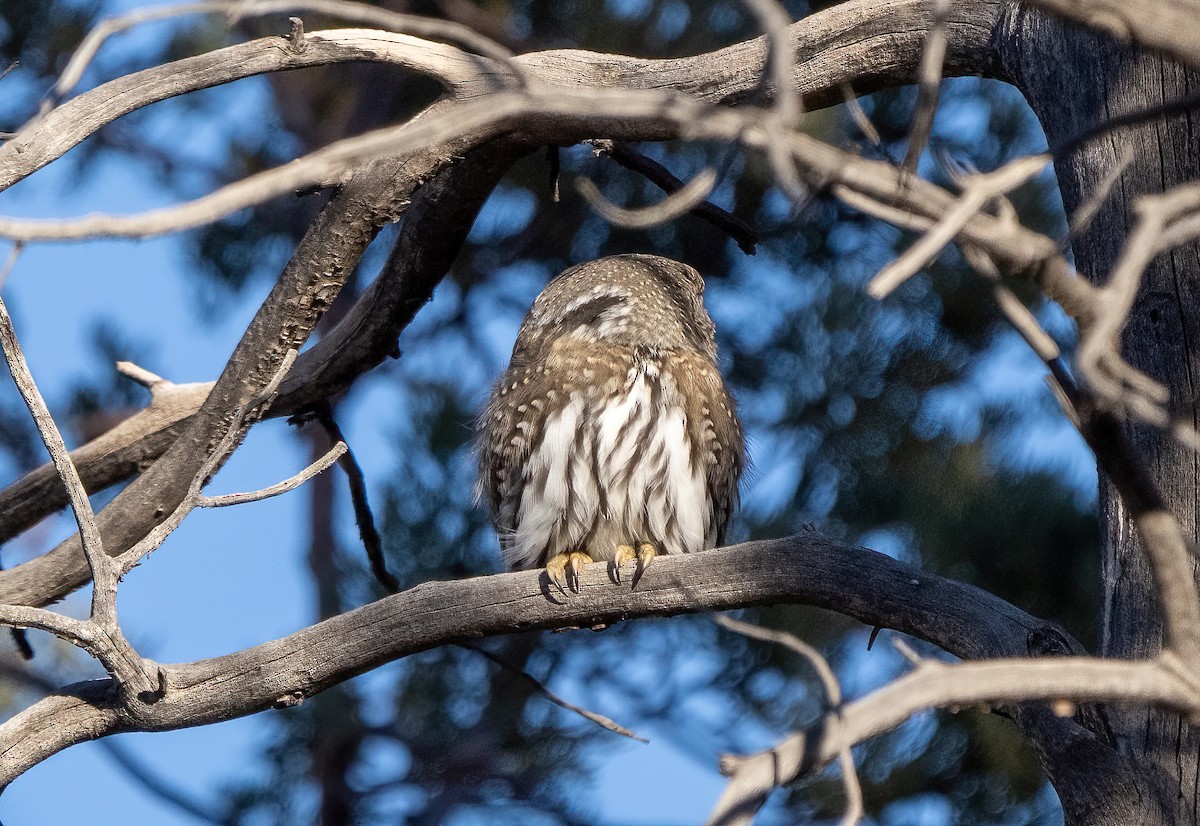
(809, 569)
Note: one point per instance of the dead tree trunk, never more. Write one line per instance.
(1075, 79)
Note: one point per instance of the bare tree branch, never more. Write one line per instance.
(869, 586)
(243, 418)
(224, 500)
(934, 684)
(777, 72)
(591, 716)
(118, 454)
(10, 262)
(424, 27)
(684, 200)
(978, 191)
(363, 517)
(929, 88)
(1083, 217)
(832, 704)
(836, 44)
(660, 176)
(109, 644)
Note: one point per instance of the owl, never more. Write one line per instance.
(611, 436)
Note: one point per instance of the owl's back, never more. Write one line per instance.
(599, 436)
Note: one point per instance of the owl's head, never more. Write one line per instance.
(624, 300)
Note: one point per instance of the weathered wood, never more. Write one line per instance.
(124, 451)
(808, 569)
(1045, 57)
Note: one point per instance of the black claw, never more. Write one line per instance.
(637, 576)
(874, 635)
(558, 584)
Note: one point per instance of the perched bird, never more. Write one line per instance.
(611, 436)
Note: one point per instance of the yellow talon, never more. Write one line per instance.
(564, 569)
(646, 553)
(624, 553)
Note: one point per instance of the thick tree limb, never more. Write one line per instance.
(876, 589)
(1172, 28)
(235, 10)
(869, 44)
(51, 136)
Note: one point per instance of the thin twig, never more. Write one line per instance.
(323, 165)
(978, 191)
(69, 629)
(243, 418)
(109, 644)
(773, 19)
(21, 640)
(1098, 344)
(140, 375)
(1013, 308)
(833, 702)
(778, 69)
(358, 498)
(599, 719)
(907, 651)
(929, 86)
(859, 115)
(103, 575)
(11, 262)
(680, 202)
(742, 233)
(1087, 211)
(291, 483)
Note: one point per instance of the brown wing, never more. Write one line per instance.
(715, 433)
(510, 427)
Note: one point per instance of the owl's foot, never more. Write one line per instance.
(563, 570)
(625, 553)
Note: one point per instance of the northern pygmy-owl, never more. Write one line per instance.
(611, 436)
